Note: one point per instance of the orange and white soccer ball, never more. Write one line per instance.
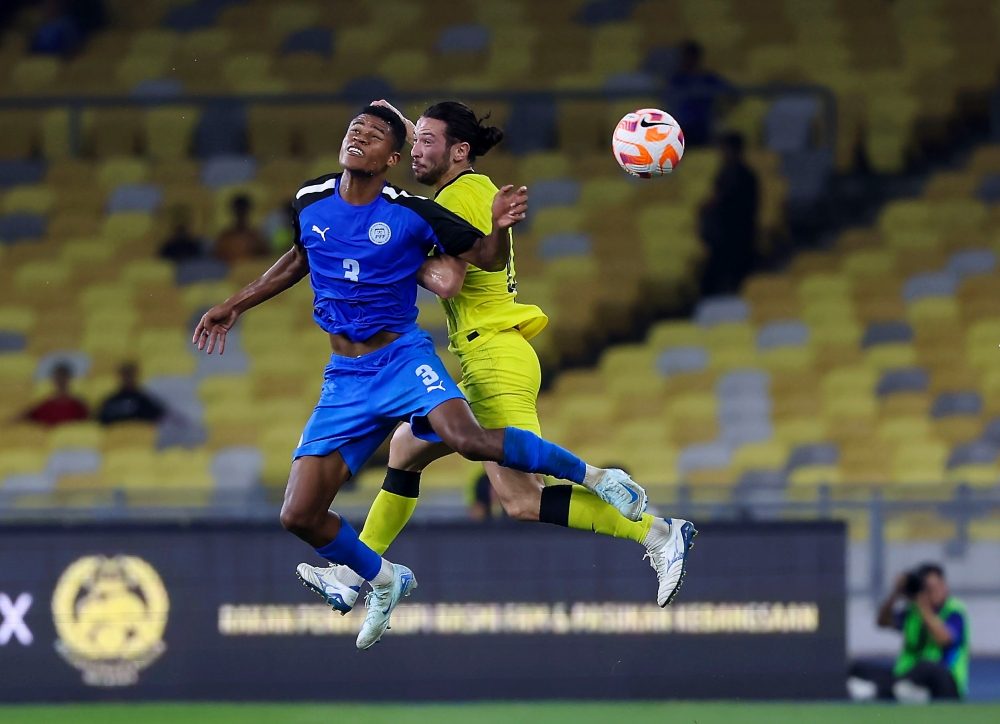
(648, 142)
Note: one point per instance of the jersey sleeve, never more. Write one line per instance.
(449, 232)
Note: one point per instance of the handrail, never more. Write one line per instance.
(76, 104)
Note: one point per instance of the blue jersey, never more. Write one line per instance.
(363, 260)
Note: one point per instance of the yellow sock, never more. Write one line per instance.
(574, 506)
(391, 509)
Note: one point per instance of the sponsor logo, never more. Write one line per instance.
(321, 232)
(644, 124)
(430, 378)
(379, 233)
(110, 614)
(12, 623)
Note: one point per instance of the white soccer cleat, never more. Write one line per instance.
(617, 489)
(326, 582)
(667, 545)
(381, 601)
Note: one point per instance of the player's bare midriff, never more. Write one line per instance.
(343, 346)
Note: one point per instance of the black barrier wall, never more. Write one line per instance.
(501, 612)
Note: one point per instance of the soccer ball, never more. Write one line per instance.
(648, 142)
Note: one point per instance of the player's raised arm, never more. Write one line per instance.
(492, 252)
(291, 268)
(443, 274)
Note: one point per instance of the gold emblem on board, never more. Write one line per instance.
(110, 614)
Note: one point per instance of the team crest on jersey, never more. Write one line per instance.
(379, 233)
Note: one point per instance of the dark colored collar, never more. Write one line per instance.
(464, 173)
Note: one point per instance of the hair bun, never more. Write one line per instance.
(487, 138)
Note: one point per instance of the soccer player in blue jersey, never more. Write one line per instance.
(362, 242)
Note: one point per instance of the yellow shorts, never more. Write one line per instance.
(500, 378)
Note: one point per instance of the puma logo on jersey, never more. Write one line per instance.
(438, 386)
(321, 232)
(428, 376)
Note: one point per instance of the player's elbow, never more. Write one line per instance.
(451, 286)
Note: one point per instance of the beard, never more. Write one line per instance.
(430, 175)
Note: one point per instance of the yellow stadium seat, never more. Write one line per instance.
(17, 318)
(169, 131)
(42, 275)
(555, 220)
(813, 475)
(35, 73)
(129, 435)
(958, 428)
(825, 286)
(178, 469)
(120, 170)
(130, 467)
(870, 262)
(800, 430)
(769, 455)
(934, 310)
(206, 294)
(849, 381)
(891, 356)
(126, 226)
(919, 462)
(76, 435)
(21, 461)
(17, 366)
(542, 165)
(144, 273)
(905, 429)
(851, 406)
(674, 334)
(786, 359)
(34, 199)
(986, 476)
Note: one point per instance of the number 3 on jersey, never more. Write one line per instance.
(351, 269)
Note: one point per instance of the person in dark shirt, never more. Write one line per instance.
(693, 92)
(130, 402)
(241, 241)
(934, 662)
(182, 245)
(729, 221)
(62, 406)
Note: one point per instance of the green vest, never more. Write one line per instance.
(919, 645)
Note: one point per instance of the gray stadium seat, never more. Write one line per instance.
(992, 431)
(221, 130)
(930, 284)
(197, 16)
(531, 126)
(27, 483)
(73, 462)
(463, 39)
(228, 171)
(158, 88)
(745, 430)
(237, 468)
(178, 431)
(705, 456)
(179, 393)
(598, 12)
(957, 403)
(367, 88)
(662, 61)
(791, 333)
(788, 124)
(677, 360)
(12, 342)
(309, 40)
(135, 197)
(751, 406)
(79, 362)
(892, 332)
(200, 270)
(978, 452)
(743, 382)
(972, 261)
(555, 192)
(568, 243)
(719, 310)
(233, 362)
(635, 82)
(17, 171)
(808, 172)
(21, 226)
(908, 380)
(824, 453)
(989, 189)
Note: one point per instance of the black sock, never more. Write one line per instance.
(555, 505)
(404, 483)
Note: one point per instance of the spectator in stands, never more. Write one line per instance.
(130, 402)
(482, 494)
(934, 663)
(62, 406)
(241, 241)
(59, 33)
(279, 228)
(693, 91)
(182, 245)
(729, 221)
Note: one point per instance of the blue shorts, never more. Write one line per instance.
(364, 398)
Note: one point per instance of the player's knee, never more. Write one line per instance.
(522, 509)
(296, 521)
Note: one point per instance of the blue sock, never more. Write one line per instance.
(348, 550)
(525, 451)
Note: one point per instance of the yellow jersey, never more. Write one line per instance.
(487, 303)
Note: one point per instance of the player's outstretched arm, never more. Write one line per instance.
(443, 274)
(492, 252)
(291, 268)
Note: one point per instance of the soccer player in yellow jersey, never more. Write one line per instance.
(489, 331)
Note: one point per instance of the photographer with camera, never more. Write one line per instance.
(934, 663)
